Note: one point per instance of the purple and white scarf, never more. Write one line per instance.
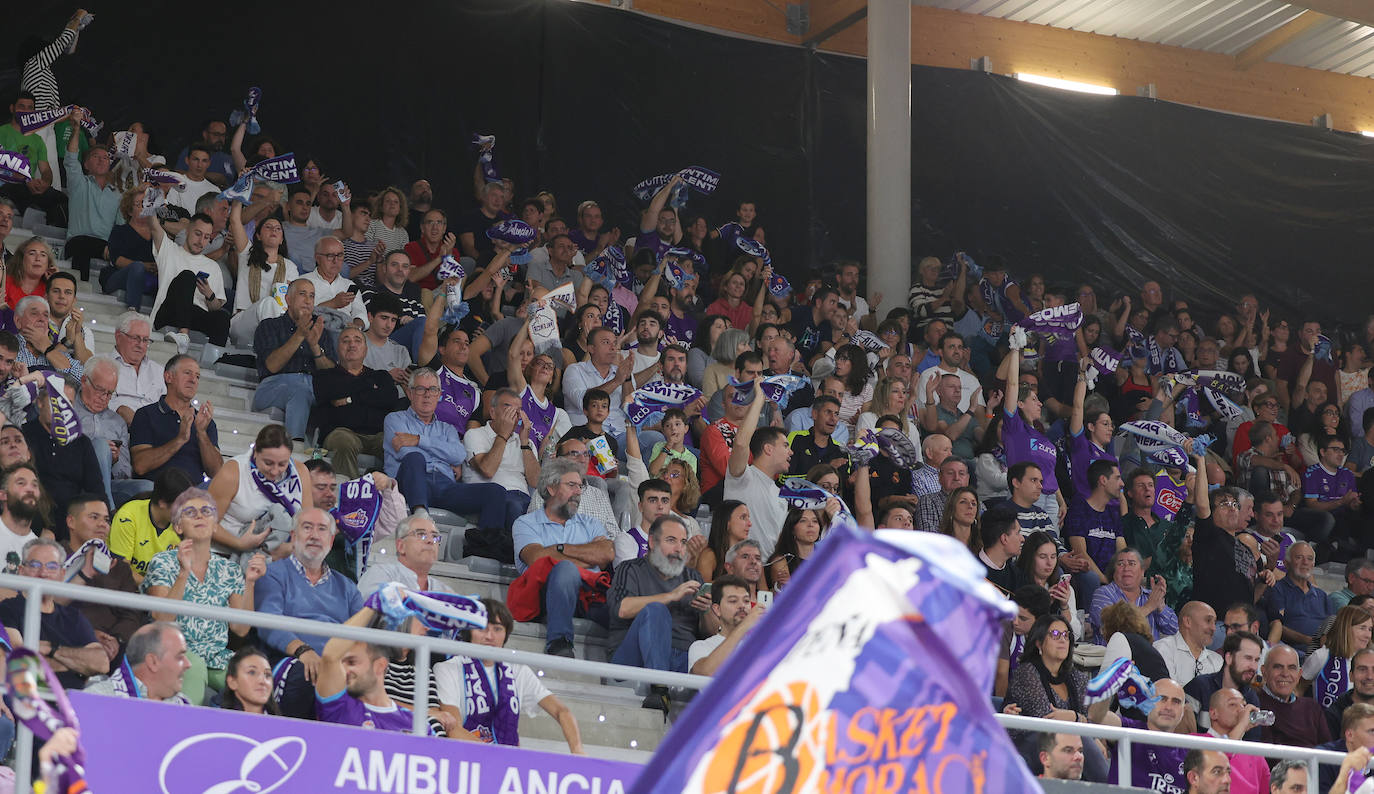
(455, 308)
(868, 341)
(357, 510)
(513, 231)
(14, 167)
(242, 190)
(541, 417)
(286, 492)
(280, 169)
(493, 716)
(1333, 680)
(457, 401)
(446, 613)
(27, 674)
(249, 112)
(101, 559)
(1225, 407)
(38, 119)
(703, 180)
(778, 286)
(486, 156)
(755, 248)
(66, 425)
(1056, 321)
(1152, 435)
(161, 176)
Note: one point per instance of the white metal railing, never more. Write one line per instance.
(423, 646)
(1125, 737)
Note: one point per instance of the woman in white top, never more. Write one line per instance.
(852, 367)
(1328, 667)
(263, 265)
(487, 697)
(890, 396)
(247, 487)
(389, 219)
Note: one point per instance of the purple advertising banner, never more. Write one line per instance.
(873, 677)
(159, 748)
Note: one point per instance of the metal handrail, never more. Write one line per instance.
(424, 646)
(1126, 736)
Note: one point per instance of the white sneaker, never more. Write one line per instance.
(183, 341)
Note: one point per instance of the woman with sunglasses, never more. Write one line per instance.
(190, 572)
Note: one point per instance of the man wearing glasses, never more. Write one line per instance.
(1234, 575)
(108, 433)
(1329, 487)
(140, 378)
(1359, 580)
(66, 637)
(303, 586)
(335, 295)
(417, 549)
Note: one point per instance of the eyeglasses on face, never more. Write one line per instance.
(1057, 634)
(208, 511)
(426, 537)
(39, 565)
(575, 453)
(425, 389)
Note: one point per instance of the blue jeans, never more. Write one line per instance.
(649, 642)
(561, 603)
(134, 279)
(410, 335)
(117, 491)
(432, 489)
(292, 392)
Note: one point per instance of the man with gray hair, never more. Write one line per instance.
(290, 349)
(65, 636)
(1295, 607)
(140, 377)
(573, 543)
(745, 560)
(303, 586)
(337, 298)
(417, 542)
(1289, 776)
(1359, 580)
(154, 666)
(37, 349)
(107, 431)
(655, 606)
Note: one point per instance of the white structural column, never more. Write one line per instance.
(889, 151)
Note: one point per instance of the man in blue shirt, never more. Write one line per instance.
(1294, 606)
(425, 456)
(303, 586)
(574, 541)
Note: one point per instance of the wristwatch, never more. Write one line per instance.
(301, 650)
(527, 446)
(559, 548)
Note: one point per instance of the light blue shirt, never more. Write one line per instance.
(92, 210)
(439, 443)
(801, 419)
(537, 527)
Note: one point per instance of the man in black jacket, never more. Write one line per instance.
(351, 402)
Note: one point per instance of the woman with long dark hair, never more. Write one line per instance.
(801, 531)
(264, 267)
(851, 366)
(1039, 564)
(730, 523)
(576, 348)
(248, 683)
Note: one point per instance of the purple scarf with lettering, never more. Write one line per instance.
(357, 509)
(286, 493)
(541, 417)
(458, 401)
(1333, 680)
(14, 167)
(493, 716)
(703, 180)
(38, 119)
(28, 672)
(280, 169)
(66, 425)
(1057, 321)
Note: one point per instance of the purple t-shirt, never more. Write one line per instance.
(1325, 486)
(1024, 442)
(1099, 528)
(1062, 348)
(1153, 767)
(683, 329)
(1082, 454)
(653, 242)
(344, 709)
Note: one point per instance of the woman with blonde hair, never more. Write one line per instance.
(390, 214)
(1328, 667)
(130, 252)
(27, 271)
(890, 396)
(1127, 634)
(685, 487)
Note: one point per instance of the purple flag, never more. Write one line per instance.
(893, 629)
(1055, 321)
(14, 167)
(516, 232)
(357, 510)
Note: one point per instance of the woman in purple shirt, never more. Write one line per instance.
(1090, 437)
(1020, 438)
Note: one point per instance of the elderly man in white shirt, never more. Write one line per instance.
(608, 370)
(140, 377)
(334, 294)
(1185, 653)
(416, 551)
(502, 452)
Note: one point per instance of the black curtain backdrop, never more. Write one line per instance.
(586, 100)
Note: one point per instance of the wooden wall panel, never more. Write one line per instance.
(950, 39)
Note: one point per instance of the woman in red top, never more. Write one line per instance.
(730, 304)
(27, 271)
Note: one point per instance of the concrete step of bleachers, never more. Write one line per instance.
(608, 753)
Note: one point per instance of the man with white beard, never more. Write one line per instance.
(655, 606)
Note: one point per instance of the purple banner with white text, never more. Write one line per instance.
(893, 634)
(159, 748)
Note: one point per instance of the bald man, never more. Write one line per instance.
(1186, 653)
(1155, 767)
(1230, 719)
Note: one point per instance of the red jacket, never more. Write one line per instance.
(524, 596)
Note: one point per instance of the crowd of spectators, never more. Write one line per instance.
(431, 395)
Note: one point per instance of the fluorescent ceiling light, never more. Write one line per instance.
(1067, 85)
